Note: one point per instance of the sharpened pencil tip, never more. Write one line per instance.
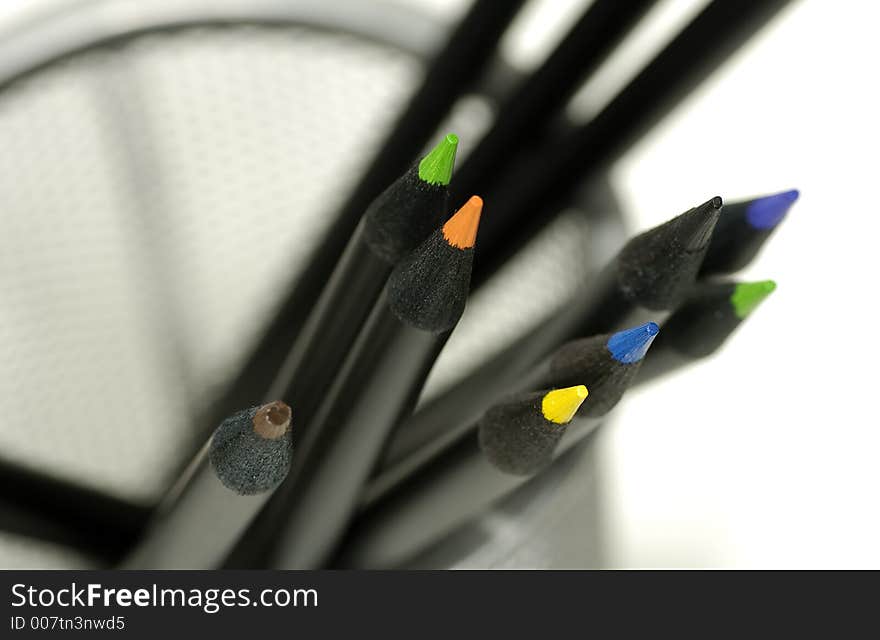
(631, 345)
(560, 405)
(747, 296)
(460, 230)
(697, 225)
(272, 420)
(436, 167)
(767, 212)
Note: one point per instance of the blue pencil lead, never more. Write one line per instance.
(767, 212)
(631, 345)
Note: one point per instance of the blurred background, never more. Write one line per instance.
(150, 185)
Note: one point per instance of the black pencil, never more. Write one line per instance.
(743, 230)
(533, 193)
(376, 388)
(225, 486)
(523, 117)
(607, 362)
(454, 70)
(515, 439)
(395, 223)
(650, 274)
(701, 325)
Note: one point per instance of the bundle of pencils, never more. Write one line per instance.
(375, 478)
(513, 440)
(376, 388)
(446, 464)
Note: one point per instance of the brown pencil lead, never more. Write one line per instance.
(272, 420)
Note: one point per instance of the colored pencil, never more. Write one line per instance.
(508, 447)
(347, 246)
(702, 324)
(460, 64)
(223, 489)
(650, 274)
(397, 222)
(743, 230)
(523, 117)
(376, 388)
(455, 69)
(514, 440)
(532, 194)
(607, 362)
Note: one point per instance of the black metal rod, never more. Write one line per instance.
(38, 506)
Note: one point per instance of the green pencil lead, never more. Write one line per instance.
(436, 167)
(748, 295)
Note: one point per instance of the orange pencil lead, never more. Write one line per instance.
(461, 229)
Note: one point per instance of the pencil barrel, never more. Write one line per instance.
(440, 423)
(199, 525)
(375, 390)
(332, 327)
(455, 68)
(453, 489)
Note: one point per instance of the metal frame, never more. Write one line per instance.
(45, 39)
